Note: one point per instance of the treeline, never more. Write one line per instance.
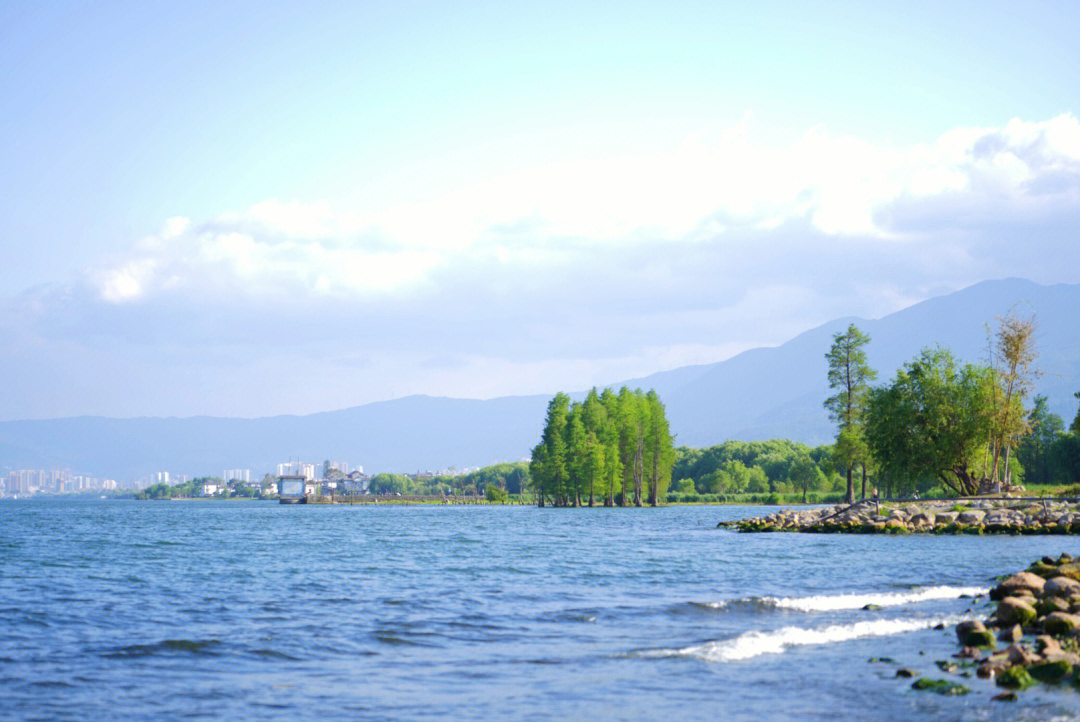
(610, 449)
(510, 478)
(962, 428)
(777, 466)
(193, 488)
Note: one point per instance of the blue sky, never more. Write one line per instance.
(256, 208)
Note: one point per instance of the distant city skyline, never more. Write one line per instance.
(228, 210)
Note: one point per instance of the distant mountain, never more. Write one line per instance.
(761, 393)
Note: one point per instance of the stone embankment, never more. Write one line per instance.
(1032, 636)
(977, 515)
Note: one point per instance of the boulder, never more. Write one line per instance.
(1051, 671)
(1017, 654)
(982, 638)
(1062, 587)
(1013, 610)
(1049, 605)
(1014, 678)
(1061, 623)
(944, 518)
(1047, 645)
(920, 519)
(1021, 581)
(971, 517)
(1011, 634)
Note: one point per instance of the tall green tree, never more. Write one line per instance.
(849, 376)
(660, 447)
(932, 421)
(549, 464)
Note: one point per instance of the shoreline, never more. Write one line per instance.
(1032, 637)
(971, 515)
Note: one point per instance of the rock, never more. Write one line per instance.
(871, 607)
(971, 517)
(1060, 623)
(1022, 581)
(970, 625)
(1011, 634)
(991, 668)
(1047, 645)
(1013, 610)
(1009, 696)
(1050, 671)
(905, 672)
(1014, 678)
(944, 518)
(941, 686)
(1022, 656)
(968, 653)
(920, 520)
(1062, 587)
(980, 639)
(1049, 605)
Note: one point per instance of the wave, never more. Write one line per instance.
(838, 602)
(756, 643)
(190, 646)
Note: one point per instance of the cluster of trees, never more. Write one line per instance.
(939, 422)
(755, 467)
(193, 488)
(612, 448)
(510, 478)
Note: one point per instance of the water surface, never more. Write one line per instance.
(226, 610)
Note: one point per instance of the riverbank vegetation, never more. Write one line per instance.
(940, 427)
(614, 449)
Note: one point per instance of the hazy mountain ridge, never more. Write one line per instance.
(760, 393)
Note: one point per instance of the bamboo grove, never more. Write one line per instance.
(612, 448)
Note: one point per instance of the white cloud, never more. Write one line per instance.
(546, 217)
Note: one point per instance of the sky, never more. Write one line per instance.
(257, 208)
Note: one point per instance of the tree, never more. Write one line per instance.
(931, 421)
(548, 467)
(1015, 351)
(805, 475)
(660, 447)
(1034, 449)
(849, 376)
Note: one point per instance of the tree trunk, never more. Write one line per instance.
(863, 465)
(850, 497)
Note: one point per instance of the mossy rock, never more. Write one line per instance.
(1059, 624)
(941, 686)
(905, 673)
(1049, 605)
(980, 638)
(1015, 678)
(1052, 671)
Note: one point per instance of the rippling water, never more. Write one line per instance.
(219, 610)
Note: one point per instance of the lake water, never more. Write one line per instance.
(235, 611)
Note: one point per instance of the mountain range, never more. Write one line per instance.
(761, 393)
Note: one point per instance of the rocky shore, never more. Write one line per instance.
(976, 515)
(1032, 637)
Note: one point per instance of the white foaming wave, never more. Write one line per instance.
(756, 643)
(838, 602)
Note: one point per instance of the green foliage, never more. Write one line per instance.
(611, 448)
(849, 376)
(932, 421)
(496, 494)
(1034, 452)
(757, 467)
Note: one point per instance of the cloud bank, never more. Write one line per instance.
(546, 277)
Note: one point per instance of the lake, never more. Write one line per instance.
(252, 610)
